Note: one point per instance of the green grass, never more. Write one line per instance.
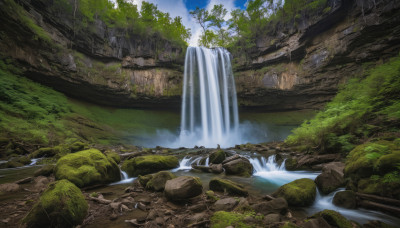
(36, 114)
(362, 108)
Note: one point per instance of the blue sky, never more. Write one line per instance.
(182, 7)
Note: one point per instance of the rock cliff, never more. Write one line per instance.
(99, 63)
(300, 68)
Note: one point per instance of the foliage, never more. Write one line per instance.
(354, 111)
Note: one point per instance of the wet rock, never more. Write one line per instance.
(46, 171)
(224, 185)
(86, 168)
(158, 180)
(300, 192)
(202, 168)
(226, 204)
(278, 205)
(198, 208)
(216, 168)
(316, 223)
(143, 199)
(272, 218)
(237, 165)
(310, 160)
(62, 203)
(376, 224)
(346, 199)
(9, 187)
(40, 183)
(211, 196)
(331, 177)
(333, 218)
(149, 164)
(182, 188)
(217, 156)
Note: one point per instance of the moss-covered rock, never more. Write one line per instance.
(158, 180)
(334, 219)
(59, 150)
(239, 166)
(114, 156)
(46, 170)
(149, 164)
(289, 225)
(291, 164)
(217, 157)
(300, 192)
(24, 160)
(11, 164)
(61, 205)
(382, 186)
(144, 179)
(211, 196)
(87, 168)
(346, 199)
(223, 219)
(224, 185)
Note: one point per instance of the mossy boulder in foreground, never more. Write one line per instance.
(300, 192)
(88, 167)
(223, 185)
(158, 180)
(149, 164)
(334, 219)
(217, 157)
(183, 188)
(61, 205)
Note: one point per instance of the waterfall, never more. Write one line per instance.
(209, 114)
(277, 174)
(124, 178)
(186, 163)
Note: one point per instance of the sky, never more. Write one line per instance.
(182, 7)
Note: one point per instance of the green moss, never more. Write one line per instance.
(87, 168)
(300, 192)
(211, 196)
(11, 164)
(387, 185)
(113, 156)
(334, 219)
(222, 219)
(61, 205)
(224, 185)
(217, 157)
(144, 179)
(149, 164)
(289, 225)
(158, 180)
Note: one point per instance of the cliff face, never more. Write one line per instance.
(297, 68)
(100, 64)
(303, 69)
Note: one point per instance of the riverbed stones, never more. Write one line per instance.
(86, 168)
(331, 177)
(333, 218)
(149, 164)
(346, 199)
(228, 186)
(226, 204)
(216, 168)
(237, 165)
(9, 187)
(217, 156)
(300, 192)
(158, 180)
(277, 205)
(61, 205)
(183, 188)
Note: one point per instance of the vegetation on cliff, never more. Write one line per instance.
(365, 107)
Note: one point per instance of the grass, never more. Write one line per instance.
(362, 108)
(38, 115)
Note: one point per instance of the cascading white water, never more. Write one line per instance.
(277, 174)
(209, 106)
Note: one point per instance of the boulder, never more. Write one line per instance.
(202, 168)
(224, 185)
(183, 188)
(144, 179)
(331, 177)
(61, 205)
(316, 223)
(310, 160)
(238, 166)
(272, 218)
(216, 168)
(300, 192)
(149, 164)
(46, 170)
(158, 180)
(226, 204)
(277, 205)
(88, 167)
(346, 199)
(333, 218)
(217, 156)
